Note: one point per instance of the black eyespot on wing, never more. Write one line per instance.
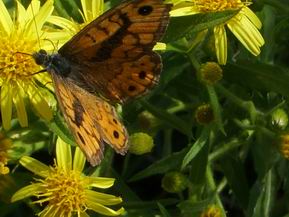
(114, 120)
(142, 75)
(145, 10)
(131, 88)
(115, 134)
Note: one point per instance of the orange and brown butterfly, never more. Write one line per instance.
(109, 61)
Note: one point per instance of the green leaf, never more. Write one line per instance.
(196, 147)
(265, 200)
(68, 9)
(186, 25)
(60, 129)
(235, 174)
(172, 162)
(199, 165)
(163, 210)
(214, 100)
(258, 76)
(170, 119)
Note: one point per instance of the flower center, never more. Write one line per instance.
(219, 5)
(64, 191)
(14, 63)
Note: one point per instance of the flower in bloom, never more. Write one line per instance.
(20, 37)
(244, 25)
(64, 190)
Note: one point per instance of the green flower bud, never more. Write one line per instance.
(174, 182)
(212, 211)
(210, 73)
(279, 119)
(140, 143)
(204, 114)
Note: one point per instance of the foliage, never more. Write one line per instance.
(234, 162)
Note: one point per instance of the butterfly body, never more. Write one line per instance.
(109, 61)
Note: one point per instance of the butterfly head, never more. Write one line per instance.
(41, 58)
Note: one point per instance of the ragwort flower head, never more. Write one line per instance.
(64, 190)
(244, 25)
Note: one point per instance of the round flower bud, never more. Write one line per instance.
(204, 114)
(212, 211)
(5, 145)
(147, 121)
(284, 145)
(140, 143)
(210, 73)
(279, 119)
(174, 182)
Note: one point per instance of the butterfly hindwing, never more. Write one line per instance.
(91, 120)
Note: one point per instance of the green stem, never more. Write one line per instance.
(245, 105)
(212, 186)
(235, 143)
(167, 148)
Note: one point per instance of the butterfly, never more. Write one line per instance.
(109, 61)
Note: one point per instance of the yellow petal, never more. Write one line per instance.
(63, 155)
(102, 198)
(27, 191)
(21, 12)
(6, 23)
(246, 33)
(85, 8)
(97, 8)
(35, 25)
(20, 105)
(63, 23)
(101, 182)
(6, 104)
(60, 37)
(34, 166)
(39, 102)
(221, 44)
(78, 160)
(252, 17)
(160, 46)
(96, 207)
(33, 9)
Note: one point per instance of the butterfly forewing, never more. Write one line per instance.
(116, 48)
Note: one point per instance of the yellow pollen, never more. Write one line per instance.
(64, 191)
(219, 5)
(14, 64)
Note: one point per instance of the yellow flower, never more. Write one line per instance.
(5, 145)
(212, 211)
(64, 189)
(20, 37)
(244, 25)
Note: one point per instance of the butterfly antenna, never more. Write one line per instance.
(28, 54)
(54, 47)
